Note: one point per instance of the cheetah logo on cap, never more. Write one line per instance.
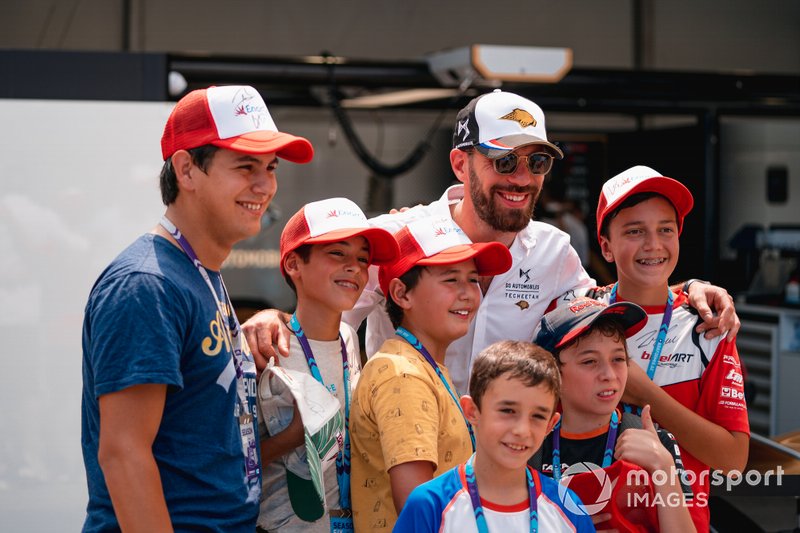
(520, 116)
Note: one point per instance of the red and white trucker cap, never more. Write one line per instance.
(233, 117)
(642, 179)
(334, 220)
(439, 241)
(498, 122)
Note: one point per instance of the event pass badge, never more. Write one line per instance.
(341, 521)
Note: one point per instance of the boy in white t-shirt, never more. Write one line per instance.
(325, 248)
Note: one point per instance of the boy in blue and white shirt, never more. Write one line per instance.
(514, 388)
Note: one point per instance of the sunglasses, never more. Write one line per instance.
(538, 163)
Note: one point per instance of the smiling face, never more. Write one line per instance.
(504, 201)
(643, 242)
(334, 275)
(594, 370)
(511, 423)
(233, 193)
(440, 307)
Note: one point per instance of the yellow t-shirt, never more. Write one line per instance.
(400, 412)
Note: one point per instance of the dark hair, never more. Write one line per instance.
(410, 279)
(631, 201)
(607, 326)
(514, 359)
(168, 182)
(304, 253)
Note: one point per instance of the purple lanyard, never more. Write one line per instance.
(413, 341)
(608, 453)
(239, 350)
(343, 458)
(652, 366)
(234, 337)
(477, 508)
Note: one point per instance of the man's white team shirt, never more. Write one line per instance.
(544, 267)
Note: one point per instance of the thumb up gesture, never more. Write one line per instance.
(642, 447)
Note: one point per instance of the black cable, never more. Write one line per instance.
(361, 151)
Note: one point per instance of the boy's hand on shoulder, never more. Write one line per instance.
(638, 387)
(642, 446)
(705, 297)
(265, 331)
(394, 211)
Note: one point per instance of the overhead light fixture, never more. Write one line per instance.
(478, 65)
(488, 64)
(176, 83)
(397, 98)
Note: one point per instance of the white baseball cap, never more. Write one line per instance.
(498, 122)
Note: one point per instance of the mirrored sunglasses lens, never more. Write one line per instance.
(506, 164)
(539, 163)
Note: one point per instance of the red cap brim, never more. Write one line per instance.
(491, 258)
(383, 248)
(286, 146)
(673, 190)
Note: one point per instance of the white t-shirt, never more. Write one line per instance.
(544, 267)
(275, 511)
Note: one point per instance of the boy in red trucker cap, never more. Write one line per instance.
(326, 248)
(588, 340)
(694, 385)
(406, 423)
(169, 383)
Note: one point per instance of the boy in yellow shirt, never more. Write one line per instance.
(406, 421)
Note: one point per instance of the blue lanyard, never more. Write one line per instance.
(413, 341)
(343, 458)
(655, 355)
(608, 453)
(240, 352)
(477, 508)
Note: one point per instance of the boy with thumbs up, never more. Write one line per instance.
(588, 340)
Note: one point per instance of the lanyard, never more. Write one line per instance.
(655, 355)
(413, 341)
(343, 458)
(608, 453)
(477, 508)
(240, 353)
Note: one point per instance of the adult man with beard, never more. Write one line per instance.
(501, 156)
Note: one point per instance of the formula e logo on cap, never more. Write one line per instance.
(520, 116)
(246, 104)
(444, 230)
(336, 213)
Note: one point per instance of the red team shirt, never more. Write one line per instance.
(703, 375)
